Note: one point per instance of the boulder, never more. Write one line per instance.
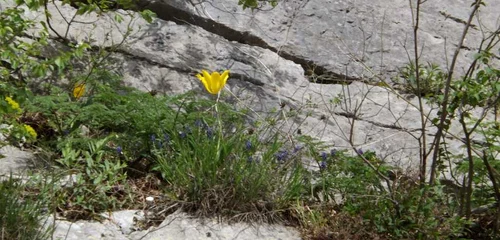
(122, 225)
(342, 40)
(165, 55)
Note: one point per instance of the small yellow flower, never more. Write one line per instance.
(13, 104)
(215, 82)
(79, 90)
(30, 130)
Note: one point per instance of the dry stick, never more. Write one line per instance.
(423, 139)
(393, 91)
(357, 109)
(495, 188)
(444, 106)
(469, 148)
(468, 132)
(47, 19)
(468, 188)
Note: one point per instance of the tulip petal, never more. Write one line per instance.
(203, 80)
(79, 90)
(216, 82)
(208, 82)
(200, 77)
(224, 77)
(213, 82)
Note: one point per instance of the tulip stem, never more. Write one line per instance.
(220, 126)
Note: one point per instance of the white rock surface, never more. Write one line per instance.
(182, 226)
(15, 160)
(164, 56)
(177, 226)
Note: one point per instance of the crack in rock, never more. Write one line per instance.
(314, 72)
(458, 20)
(382, 125)
(149, 61)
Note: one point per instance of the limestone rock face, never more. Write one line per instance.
(345, 39)
(274, 56)
(175, 226)
(269, 52)
(14, 160)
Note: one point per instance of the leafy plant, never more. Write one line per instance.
(430, 80)
(255, 4)
(97, 178)
(222, 171)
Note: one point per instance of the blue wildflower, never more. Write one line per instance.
(322, 165)
(152, 137)
(248, 145)
(250, 159)
(281, 155)
(324, 156)
(297, 148)
(198, 123)
(182, 134)
(360, 151)
(210, 133)
(333, 152)
(166, 137)
(119, 150)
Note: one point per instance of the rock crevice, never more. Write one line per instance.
(313, 71)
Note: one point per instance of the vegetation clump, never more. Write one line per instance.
(104, 146)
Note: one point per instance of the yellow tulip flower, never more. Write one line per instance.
(214, 82)
(79, 90)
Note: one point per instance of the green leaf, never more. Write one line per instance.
(59, 62)
(118, 18)
(148, 15)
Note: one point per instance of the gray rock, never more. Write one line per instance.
(121, 225)
(359, 39)
(165, 56)
(268, 54)
(125, 220)
(65, 230)
(14, 161)
(182, 226)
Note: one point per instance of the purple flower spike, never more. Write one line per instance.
(248, 145)
(322, 165)
(281, 155)
(119, 150)
(333, 152)
(152, 137)
(210, 133)
(324, 156)
(182, 134)
(360, 151)
(297, 148)
(198, 123)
